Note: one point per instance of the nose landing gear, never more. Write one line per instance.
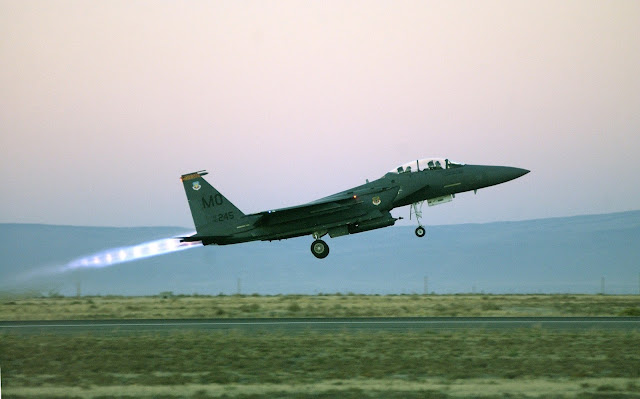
(416, 209)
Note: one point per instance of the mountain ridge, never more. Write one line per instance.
(560, 254)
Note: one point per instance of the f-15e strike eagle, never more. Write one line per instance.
(359, 209)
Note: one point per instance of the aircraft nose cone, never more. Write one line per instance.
(480, 176)
(503, 174)
(518, 172)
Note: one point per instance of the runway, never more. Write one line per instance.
(319, 324)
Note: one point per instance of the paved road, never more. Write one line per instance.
(321, 324)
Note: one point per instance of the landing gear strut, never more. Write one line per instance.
(416, 209)
(319, 249)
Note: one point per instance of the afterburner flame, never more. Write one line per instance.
(131, 253)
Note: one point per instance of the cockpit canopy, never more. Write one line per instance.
(426, 164)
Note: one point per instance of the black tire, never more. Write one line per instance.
(420, 231)
(319, 249)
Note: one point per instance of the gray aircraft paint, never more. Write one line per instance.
(362, 208)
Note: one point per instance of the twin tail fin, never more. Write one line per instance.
(213, 214)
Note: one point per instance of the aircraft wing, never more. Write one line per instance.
(324, 206)
(312, 208)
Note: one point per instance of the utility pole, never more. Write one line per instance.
(426, 285)
(239, 286)
(78, 291)
(602, 285)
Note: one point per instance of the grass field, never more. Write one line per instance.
(177, 307)
(472, 363)
(466, 363)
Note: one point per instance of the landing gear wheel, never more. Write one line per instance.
(319, 249)
(420, 231)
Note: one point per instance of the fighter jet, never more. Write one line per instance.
(358, 209)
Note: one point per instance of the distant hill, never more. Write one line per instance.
(568, 255)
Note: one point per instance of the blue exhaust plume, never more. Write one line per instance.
(115, 256)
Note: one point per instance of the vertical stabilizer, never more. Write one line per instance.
(213, 214)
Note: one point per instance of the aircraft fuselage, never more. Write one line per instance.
(362, 208)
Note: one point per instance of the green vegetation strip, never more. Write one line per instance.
(353, 364)
(582, 388)
(189, 307)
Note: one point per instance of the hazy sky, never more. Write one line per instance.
(104, 104)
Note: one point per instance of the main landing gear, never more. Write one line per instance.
(319, 249)
(416, 209)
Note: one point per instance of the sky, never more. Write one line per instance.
(103, 105)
